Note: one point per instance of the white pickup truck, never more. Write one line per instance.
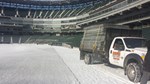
(114, 45)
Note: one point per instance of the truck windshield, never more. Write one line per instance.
(134, 42)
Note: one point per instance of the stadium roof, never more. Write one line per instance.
(47, 2)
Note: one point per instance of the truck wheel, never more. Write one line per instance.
(87, 59)
(82, 55)
(133, 72)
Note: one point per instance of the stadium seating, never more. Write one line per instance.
(38, 17)
(10, 12)
(73, 40)
(38, 12)
(23, 12)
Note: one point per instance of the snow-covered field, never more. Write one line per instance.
(45, 64)
(91, 74)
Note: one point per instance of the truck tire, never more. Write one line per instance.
(133, 72)
(82, 54)
(87, 59)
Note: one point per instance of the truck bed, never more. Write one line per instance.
(97, 38)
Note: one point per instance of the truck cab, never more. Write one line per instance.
(129, 53)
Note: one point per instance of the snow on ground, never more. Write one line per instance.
(45, 64)
(33, 64)
(91, 74)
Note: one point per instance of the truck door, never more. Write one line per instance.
(116, 52)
